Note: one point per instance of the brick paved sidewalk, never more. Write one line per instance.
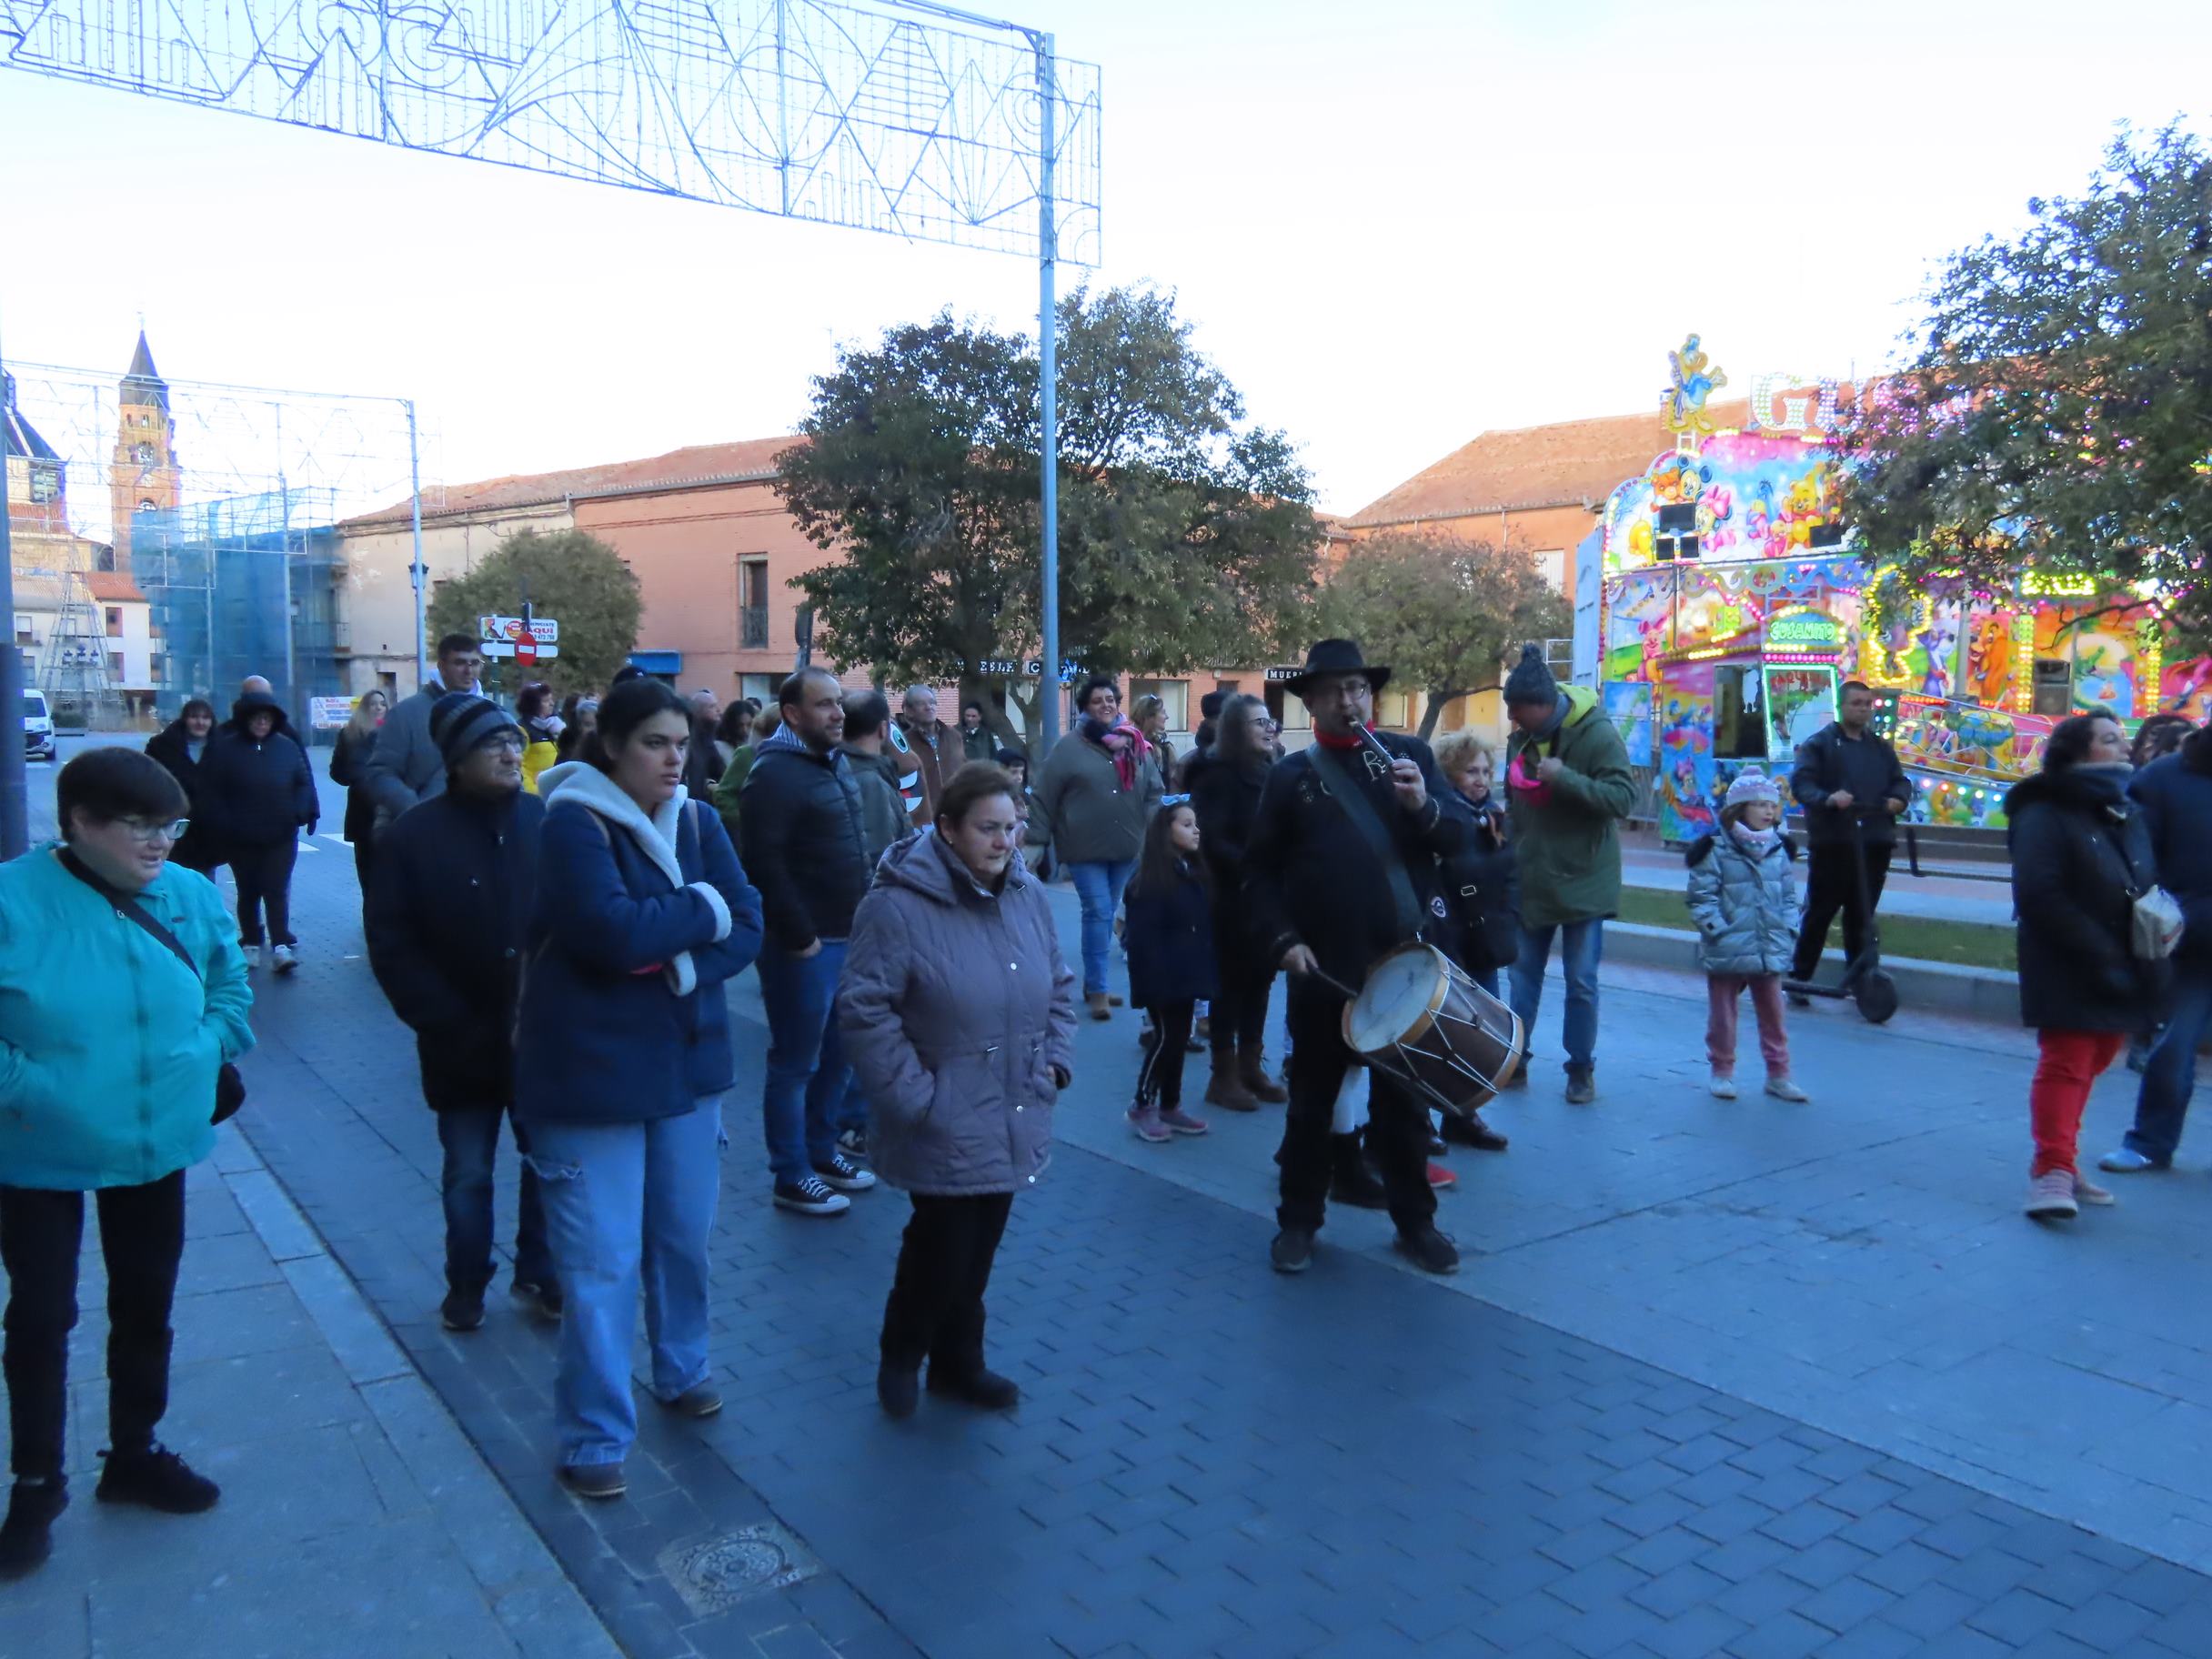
(1210, 1460)
(356, 1518)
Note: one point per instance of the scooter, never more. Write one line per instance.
(1864, 980)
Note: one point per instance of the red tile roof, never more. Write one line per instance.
(1567, 463)
(697, 464)
(109, 589)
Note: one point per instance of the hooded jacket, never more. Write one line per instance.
(1746, 905)
(805, 843)
(883, 818)
(1569, 841)
(108, 1044)
(2081, 851)
(260, 793)
(172, 745)
(639, 922)
(957, 1010)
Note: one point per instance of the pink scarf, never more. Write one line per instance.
(1125, 743)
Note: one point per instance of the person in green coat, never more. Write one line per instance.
(1568, 784)
(111, 1039)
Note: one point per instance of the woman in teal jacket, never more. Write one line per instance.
(111, 1040)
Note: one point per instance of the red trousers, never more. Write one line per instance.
(2070, 1063)
(1723, 991)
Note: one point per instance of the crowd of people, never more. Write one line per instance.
(555, 900)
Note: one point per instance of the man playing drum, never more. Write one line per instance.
(1342, 868)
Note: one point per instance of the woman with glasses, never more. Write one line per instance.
(122, 994)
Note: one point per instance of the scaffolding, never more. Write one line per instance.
(218, 517)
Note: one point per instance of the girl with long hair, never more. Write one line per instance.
(1226, 793)
(1169, 940)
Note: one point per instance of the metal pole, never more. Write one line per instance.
(1048, 371)
(416, 571)
(298, 709)
(15, 803)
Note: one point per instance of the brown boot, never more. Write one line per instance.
(1096, 1002)
(1252, 1071)
(1225, 1090)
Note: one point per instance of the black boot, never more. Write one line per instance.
(1353, 1181)
(26, 1536)
(897, 1388)
(979, 1387)
(156, 1478)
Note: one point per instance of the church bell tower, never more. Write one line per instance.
(143, 476)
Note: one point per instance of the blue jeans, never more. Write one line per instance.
(627, 1206)
(2169, 1074)
(470, 1137)
(1581, 944)
(808, 1075)
(1099, 887)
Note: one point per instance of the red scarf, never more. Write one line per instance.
(1330, 739)
(1124, 743)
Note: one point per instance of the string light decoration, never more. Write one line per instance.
(2024, 662)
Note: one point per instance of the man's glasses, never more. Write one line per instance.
(146, 834)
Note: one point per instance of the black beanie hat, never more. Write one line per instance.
(1531, 680)
(460, 720)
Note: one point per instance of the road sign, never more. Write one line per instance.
(500, 636)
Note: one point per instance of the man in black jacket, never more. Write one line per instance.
(448, 901)
(1342, 869)
(806, 848)
(1845, 773)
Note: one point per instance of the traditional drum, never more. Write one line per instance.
(1422, 1019)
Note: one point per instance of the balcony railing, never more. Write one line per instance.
(752, 628)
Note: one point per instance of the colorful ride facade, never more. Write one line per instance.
(1735, 604)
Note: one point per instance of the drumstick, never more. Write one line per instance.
(1338, 986)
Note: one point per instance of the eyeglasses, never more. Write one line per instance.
(505, 742)
(146, 835)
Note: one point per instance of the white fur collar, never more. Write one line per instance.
(579, 783)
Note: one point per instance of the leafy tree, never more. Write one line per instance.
(1444, 613)
(2057, 412)
(568, 575)
(1186, 535)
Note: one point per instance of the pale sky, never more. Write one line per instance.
(1394, 223)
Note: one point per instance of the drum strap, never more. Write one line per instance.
(1350, 794)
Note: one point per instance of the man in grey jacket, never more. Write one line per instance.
(404, 767)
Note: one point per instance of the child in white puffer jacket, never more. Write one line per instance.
(1743, 898)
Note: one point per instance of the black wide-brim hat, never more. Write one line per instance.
(1336, 657)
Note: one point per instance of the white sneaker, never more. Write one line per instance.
(1722, 1086)
(2050, 1196)
(286, 958)
(252, 956)
(1781, 1089)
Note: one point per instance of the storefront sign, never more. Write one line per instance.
(1803, 630)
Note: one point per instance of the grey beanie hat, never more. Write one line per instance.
(1531, 680)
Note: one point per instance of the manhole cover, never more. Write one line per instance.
(716, 1574)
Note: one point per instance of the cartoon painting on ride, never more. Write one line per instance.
(1732, 592)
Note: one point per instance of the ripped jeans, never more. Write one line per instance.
(627, 1206)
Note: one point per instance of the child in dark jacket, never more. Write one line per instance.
(1169, 935)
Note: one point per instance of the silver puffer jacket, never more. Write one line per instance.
(1747, 906)
(956, 1008)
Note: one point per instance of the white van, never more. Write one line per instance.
(37, 727)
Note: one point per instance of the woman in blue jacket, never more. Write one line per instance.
(111, 1039)
(642, 912)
